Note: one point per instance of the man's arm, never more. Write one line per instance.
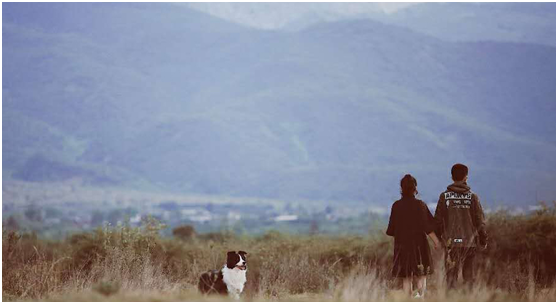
(440, 216)
(479, 221)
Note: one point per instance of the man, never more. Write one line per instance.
(462, 226)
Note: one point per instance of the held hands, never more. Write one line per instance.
(435, 240)
(436, 244)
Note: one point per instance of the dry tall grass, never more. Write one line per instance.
(135, 264)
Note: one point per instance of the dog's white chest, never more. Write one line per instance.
(235, 280)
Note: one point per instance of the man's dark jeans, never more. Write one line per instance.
(457, 258)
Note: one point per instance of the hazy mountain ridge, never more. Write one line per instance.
(278, 16)
(510, 22)
(337, 111)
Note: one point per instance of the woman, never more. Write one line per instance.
(410, 222)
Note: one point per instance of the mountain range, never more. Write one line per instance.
(509, 22)
(167, 97)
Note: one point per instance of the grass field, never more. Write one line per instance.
(136, 264)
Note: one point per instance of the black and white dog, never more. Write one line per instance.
(229, 280)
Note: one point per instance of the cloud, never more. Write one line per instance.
(392, 7)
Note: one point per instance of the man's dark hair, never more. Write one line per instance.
(458, 172)
(408, 186)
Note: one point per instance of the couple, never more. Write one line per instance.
(457, 226)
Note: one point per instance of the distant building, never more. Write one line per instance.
(135, 219)
(234, 216)
(201, 218)
(286, 218)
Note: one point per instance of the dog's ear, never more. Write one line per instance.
(243, 253)
(232, 259)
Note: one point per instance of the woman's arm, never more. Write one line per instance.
(391, 225)
(430, 226)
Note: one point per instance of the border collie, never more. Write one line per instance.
(229, 280)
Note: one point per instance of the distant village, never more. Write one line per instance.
(56, 221)
(59, 210)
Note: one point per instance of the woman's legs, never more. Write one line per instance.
(408, 285)
(421, 285)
